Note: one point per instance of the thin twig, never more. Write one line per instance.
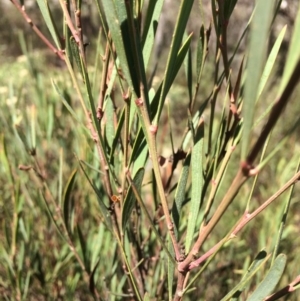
(104, 79)
(246, 218)
(21, 9)
(76, 34)
(150, 134)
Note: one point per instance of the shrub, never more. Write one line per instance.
(120, 183)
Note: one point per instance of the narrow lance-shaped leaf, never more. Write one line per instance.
(189, 73)
(54, 220)
(67, 204)
(24, 136)
(151, 22)
(228, 8)
(293, 56)
(75, 53)
(60, 175)
(97, 244)
(257, 51)
(258, 262)
(272, 278)
(92, 279)
(67, 105)
(180, 193)
(139, 157)
(4, 159)
(83, 248)
(130, 200)
(170, 269)
(200, 52)
(271, 60)
(133, 49)
(167, 85)
(33, 125)
(102, 206)
(197, 184)
(145, 211)
(284, 215)
(117, 135)
(47, 16)
(183, 17)
(115, 13)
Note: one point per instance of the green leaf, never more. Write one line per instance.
(257, 51)
(130, 200)
(293, 56)
(63, 261)
(180, 193)
(201, 51)
(189, 135)
(189, 74)
(92, 280)
(67, 201)
(103, 209)
(4, 160)
(139, 153)
(117, 135)
(60, 176)
(287, 206)
(228, 8)
(97, 244)
(170, 268)
(33, 126)
(47, 16)
(272, 278)
(8, 262)
(151, 22)
(66, 103)
(155, 109)
(146, 297)
(53, 218)
(115, 13)
(145, 211)
(24, 135)
(83, 249)
(75, 53)
(183, 17)
(197, 184)
(258, 262)
(271, 60)
(21, 256)
(26, 285)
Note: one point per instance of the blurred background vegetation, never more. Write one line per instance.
(37, 130)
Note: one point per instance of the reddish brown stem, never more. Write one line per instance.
(21, 9)
(76, 33)
(244, 221)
